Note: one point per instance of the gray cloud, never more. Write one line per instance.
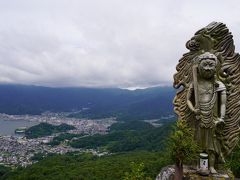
(113, 43)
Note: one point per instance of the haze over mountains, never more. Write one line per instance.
(147, 103)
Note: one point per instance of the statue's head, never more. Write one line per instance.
(207, 63)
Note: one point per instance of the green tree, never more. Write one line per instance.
(233, 161)
(136, 173)
(182, 147)
(4, 170)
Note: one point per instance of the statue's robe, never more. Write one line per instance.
(205, 128)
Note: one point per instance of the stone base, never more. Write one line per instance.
(189, 173)
(167, 173)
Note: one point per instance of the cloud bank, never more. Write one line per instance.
(107, 43)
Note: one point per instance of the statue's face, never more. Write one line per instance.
(207, 68)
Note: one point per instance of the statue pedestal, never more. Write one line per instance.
(189, 173)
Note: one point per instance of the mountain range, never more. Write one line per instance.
(124, 104)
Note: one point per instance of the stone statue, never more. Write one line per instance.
(206, 98)
(209, 81)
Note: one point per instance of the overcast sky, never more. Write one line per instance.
(102, 43)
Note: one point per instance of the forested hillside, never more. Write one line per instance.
(130, 149)
(150, 139)
(142, 152)
(96, 103)
(87, 166)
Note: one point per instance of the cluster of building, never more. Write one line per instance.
(17, 150)
(87, 126)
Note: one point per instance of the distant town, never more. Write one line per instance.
(18, 150)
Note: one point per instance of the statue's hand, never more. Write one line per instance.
(197, 113)
(220, 122)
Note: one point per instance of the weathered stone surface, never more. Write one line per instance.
(208, 79)
(168, 173)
